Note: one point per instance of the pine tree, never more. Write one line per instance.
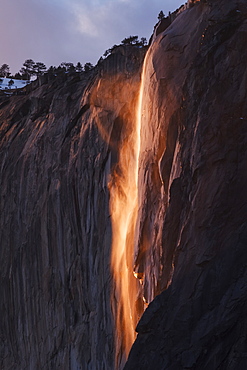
(87, 67)
(28, 69)
(10, 83)
(161, 15)
(79, 67)
(143, 41)
(67, 66)
(4, 70)
(39, 68)
(131, 40)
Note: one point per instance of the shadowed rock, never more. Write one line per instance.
(195, 105)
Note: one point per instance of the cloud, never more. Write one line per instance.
(106, 23)
(53, 31)
(86, 25)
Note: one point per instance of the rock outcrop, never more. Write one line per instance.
(192, 231)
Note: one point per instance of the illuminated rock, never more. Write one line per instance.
(59, 145)
(170, 155)
(192, 233)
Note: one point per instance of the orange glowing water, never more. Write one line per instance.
(124, 207)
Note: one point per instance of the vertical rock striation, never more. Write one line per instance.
(59, 156)
(58, 146)
(192, 233)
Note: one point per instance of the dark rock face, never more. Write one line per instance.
(58, 146)
(193, 176)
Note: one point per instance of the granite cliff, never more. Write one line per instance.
(59, 145)
(193, 177)
(171, 145)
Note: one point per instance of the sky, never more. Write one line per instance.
(56, 31)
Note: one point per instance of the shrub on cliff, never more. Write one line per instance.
(88, 67)
(161, 15)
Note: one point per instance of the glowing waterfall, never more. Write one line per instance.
(124, 207)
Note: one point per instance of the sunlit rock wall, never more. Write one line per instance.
(58, 145)
(168, 63)
(192, 233)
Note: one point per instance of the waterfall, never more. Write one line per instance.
(127, 302)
